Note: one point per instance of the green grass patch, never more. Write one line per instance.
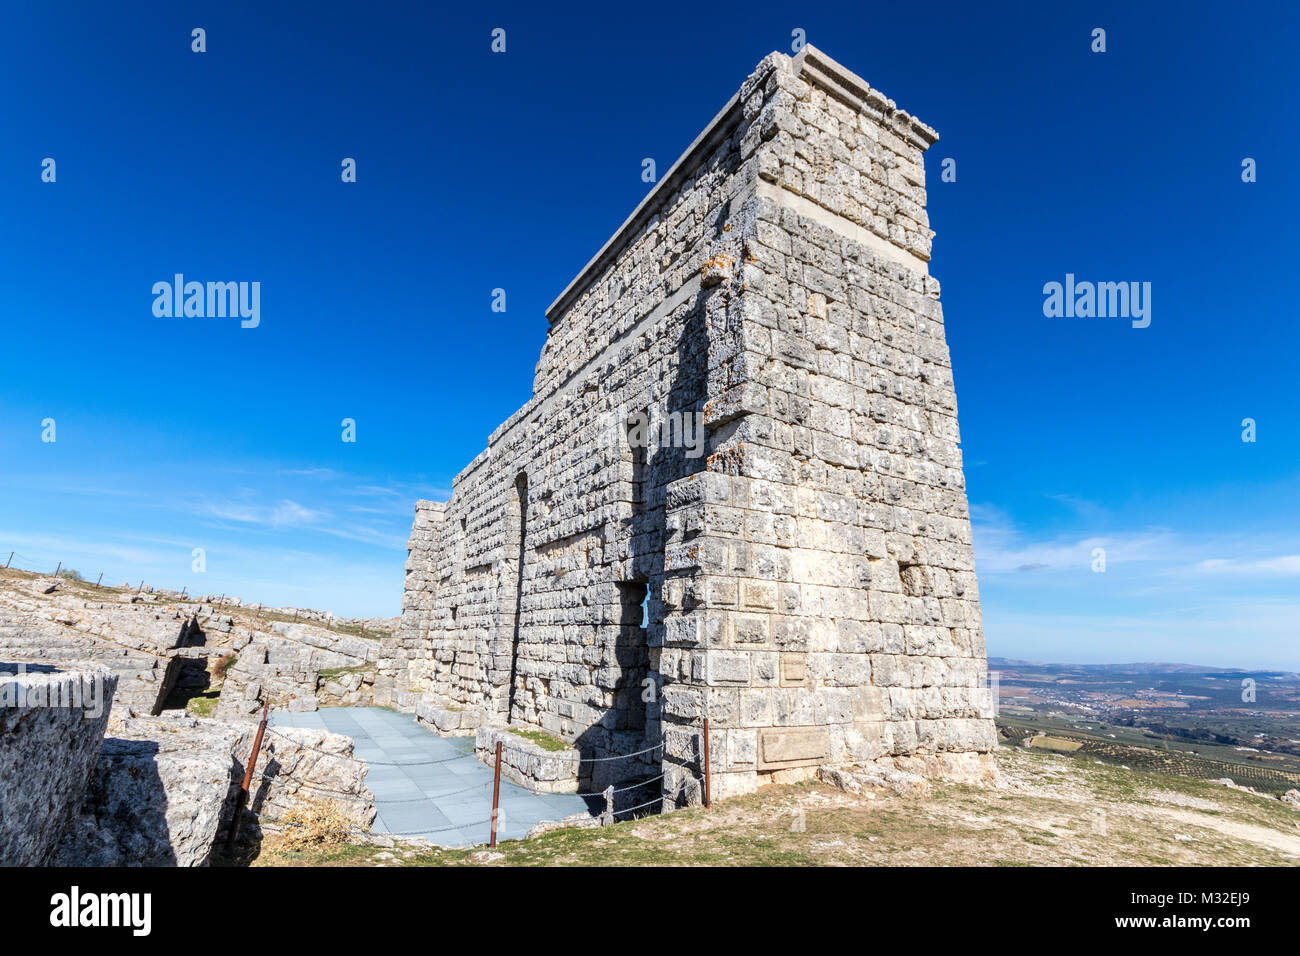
(334, 673)
(539, 737)
(204, 704)
(356, 630)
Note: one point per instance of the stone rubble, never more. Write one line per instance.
(164, 789)
(158, 650)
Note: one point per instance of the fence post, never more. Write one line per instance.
(101, 579)
(242, 800)
(708, 769)
(58, 569)
(496, 795)
(10, 561)
(607, 818)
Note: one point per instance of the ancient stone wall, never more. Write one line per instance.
(52, 721)
(805, 566)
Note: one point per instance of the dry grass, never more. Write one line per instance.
(314, 822)
(1052, 811)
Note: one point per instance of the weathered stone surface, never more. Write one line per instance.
(52, 721)
(297, 763)
(786, 747)
(155, 800)
(528, 764)
(448, 720)
(164, 789)
(166, 648)
(874, 777)
(743, 427)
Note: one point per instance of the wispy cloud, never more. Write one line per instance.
(1286, 565)
(291, 514)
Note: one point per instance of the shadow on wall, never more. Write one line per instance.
(123, 818)
(634, 723)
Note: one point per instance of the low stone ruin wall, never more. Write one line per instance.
(447, 719)
(52, 720)
(167, 653)
(299, 667)
(526, 763)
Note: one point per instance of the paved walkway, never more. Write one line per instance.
(448, 803)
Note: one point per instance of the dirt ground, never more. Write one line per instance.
(1050, 810)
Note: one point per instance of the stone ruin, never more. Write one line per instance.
(100, 765)
(737, 490)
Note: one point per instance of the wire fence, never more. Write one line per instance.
(608, 794)
(17, 561)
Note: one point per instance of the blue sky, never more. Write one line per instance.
(479, 171)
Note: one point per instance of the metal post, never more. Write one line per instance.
(101, 579)
(496, 795)
(10, 561)
(242, 800)
(58, 569)
(708, 770)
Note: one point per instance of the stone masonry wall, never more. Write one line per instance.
(808, 571)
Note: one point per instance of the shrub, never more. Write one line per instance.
(223, 665)
(313, 821)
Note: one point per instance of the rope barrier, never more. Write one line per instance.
(425, 763)
(373, 763)
(527, 753)
(437, 796)
(632, 786)
(640, 806)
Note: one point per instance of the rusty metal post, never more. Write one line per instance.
(242, 800)
(708, 769)
(496, 795)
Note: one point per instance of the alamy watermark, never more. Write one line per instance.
(212, 300)
(652, 429)
(1102, 300)
(65, 690)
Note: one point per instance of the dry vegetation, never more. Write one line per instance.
(1051, 811)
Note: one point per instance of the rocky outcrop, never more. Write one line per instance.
(164, 790)
(299, 667)
(159, 789)
(157, 796)
(52, 720)
(298, 763)
(165, 648)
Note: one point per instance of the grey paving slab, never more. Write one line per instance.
(435, 788)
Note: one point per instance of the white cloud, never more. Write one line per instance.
(1285, 565)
